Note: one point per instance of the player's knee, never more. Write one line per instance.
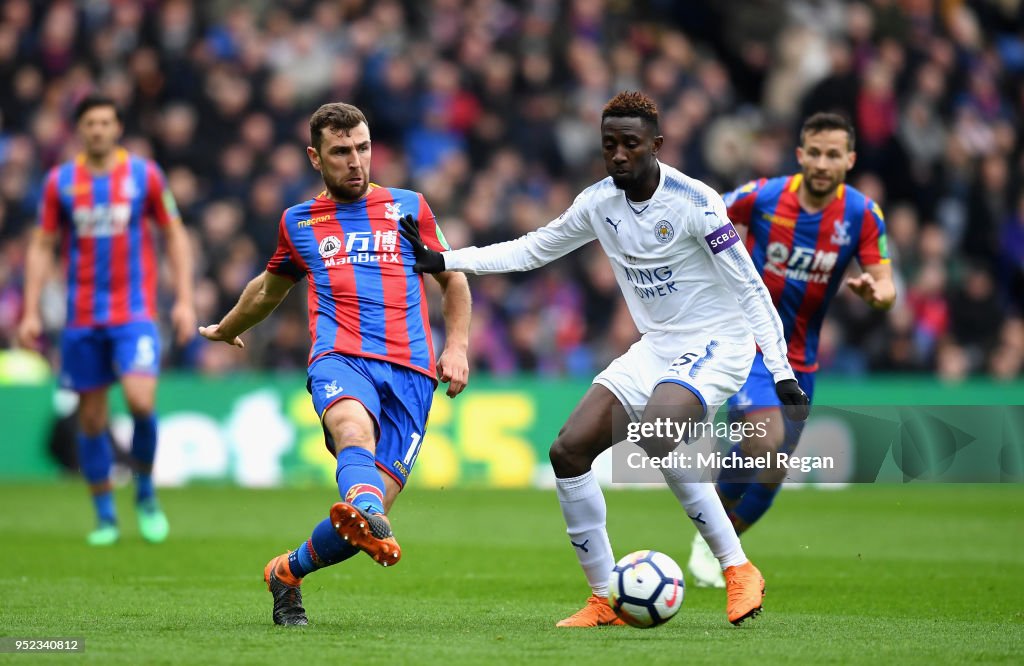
(346, 433)
(657, 447)
(92, 416)
(92, 423)
(759, 447)
(767, 437)
(568, 456)
(140, 405)
(139, 394)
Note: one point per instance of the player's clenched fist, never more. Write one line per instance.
(427, 260)
(453, 369)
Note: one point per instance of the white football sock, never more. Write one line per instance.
(701, 503)
(584, 510)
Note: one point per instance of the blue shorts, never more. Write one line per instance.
(97, 357)
(398, 399)
(758, 393)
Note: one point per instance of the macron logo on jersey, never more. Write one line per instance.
(722, 239)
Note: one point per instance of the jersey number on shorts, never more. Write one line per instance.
(685, 359)
(410, 455)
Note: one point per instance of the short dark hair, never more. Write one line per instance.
(335, 116)
(823, 122)
(96, 100)
(632, 104)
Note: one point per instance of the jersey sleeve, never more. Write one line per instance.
(430, 231)
(740, 202)
(49, 204)
(737, 272)
(285, 262)
(556, 239)
(159, 199)
(873, 247)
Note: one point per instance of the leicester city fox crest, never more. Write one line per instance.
(663, 231)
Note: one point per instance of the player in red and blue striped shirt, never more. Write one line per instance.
(371, 365)
(802, 231)
(100, 207)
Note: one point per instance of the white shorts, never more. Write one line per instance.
(714, 366)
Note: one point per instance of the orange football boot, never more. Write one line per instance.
(597, 613)
(744, 589)
(369, 532)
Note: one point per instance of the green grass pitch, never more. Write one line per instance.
(871, 574)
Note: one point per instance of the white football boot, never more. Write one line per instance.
(704, 569)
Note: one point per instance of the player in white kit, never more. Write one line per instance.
(695, 296)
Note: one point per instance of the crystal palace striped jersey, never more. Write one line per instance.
(107, 243)
(364, 298)
(802, 256)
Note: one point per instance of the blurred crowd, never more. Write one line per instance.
(491, 108)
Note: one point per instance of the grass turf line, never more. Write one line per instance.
(873, 574)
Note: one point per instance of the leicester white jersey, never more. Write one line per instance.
(678, 260)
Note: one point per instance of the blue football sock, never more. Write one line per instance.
(322, 549)
(144, 452)
(104, 505)
(733, 483)
(756, 502)
(732, 490)
(95, 458)
(359, 483)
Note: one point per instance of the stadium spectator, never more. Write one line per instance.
(513, 91)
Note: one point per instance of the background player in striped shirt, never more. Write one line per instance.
(99, 206)
(371, 366)
(802, 233)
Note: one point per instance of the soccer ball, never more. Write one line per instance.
(646, 588)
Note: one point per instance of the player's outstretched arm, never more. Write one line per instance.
(453, 364)
(37, 265)
(259, 298)
(533, 250)
(875, 285)
(179, 252)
